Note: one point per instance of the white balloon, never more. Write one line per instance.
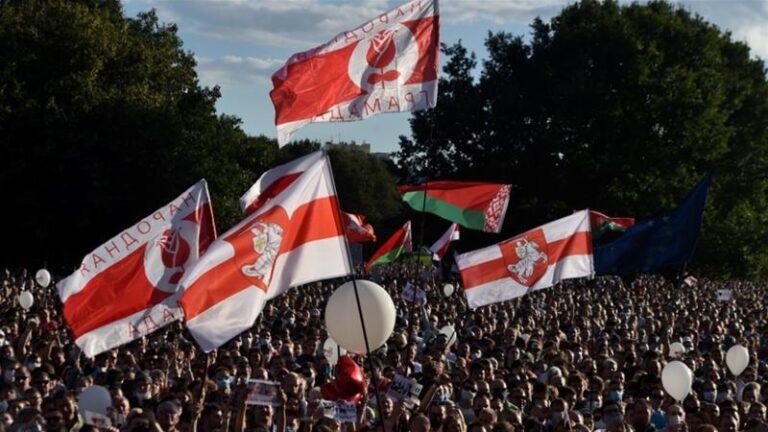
(448, 289)
(737, 359)
(43, 278)
(94, 399)
(332, 350)
(676, 350)
(450, 334)
(677, 379)
(26, 300)
(343, 320)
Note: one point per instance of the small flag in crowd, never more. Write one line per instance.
(388, 64)
(474, 205)
(357, 230)
(602, 224)
(295, 238)
(128, 287)
(393, 248)
(442, 244)
(662, 242)
(531, 261)
(276, 180)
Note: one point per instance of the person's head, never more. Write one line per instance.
(168, 415)
(639, 414)
(675, 416)
(419, 423)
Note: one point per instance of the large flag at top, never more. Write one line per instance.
(662, 242)
(128, 287)
(388, 64)
(295, 238)
(530, 261)
(474, 205)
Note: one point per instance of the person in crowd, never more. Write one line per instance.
(586, 355)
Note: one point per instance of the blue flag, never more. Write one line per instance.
(662, 242)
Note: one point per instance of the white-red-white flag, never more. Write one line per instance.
(530, 261)
(357, 230)
(442, 244)
(388, 64)
(295, 238)
(276, 180)
(128, 287)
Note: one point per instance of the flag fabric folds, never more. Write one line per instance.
(357, 230)
(602, 223)
(388, 64)
(128, 287)
(474, 205)
(276, 180)
(400, 242)
(530, 261)
(662, 242)
(295, 238)
(442, 244)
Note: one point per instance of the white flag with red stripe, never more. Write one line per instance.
(539, 258)
(442, 244)
(128, 287)
(295, 238)
(276, 180)
(357, 230)
(388, 64)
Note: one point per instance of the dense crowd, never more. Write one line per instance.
(585, 355)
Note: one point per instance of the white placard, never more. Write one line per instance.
(262, 392)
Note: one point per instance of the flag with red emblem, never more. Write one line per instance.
(276, 180)
(442, 244)
(357, 230)
(128, 287)
(295, 238)
(530, 261)
(388, 64)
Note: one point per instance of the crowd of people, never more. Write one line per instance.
(585, 355)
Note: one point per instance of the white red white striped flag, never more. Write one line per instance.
(128, 287)
(276, 180)
(442, 244)
(531, 261)
(357, 230)
(388, 64)
(295, 238)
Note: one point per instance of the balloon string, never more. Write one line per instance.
(374, 378)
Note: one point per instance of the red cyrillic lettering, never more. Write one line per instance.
(158, 216)
(97, 260)
(350, 36)
(384, 18)
(172, 209)
(149, 227)
(353, 111)
(367, 109)
(83, 269)
(126, 235)
(189, 198)
(109, 249)
(365, 26)
(399, 13)
(336, 115)
(408, 97)
(393, 102)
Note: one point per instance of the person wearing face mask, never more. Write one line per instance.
(675, 419)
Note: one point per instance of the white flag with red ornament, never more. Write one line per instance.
(539, 258)
(128, 287)
(295, 238)
(442, 244)
(276, 180)
(388, 64)
(357, 230)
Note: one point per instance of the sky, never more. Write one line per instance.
(238, 44)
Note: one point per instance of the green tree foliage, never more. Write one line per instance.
(616, 108)
(103, 120)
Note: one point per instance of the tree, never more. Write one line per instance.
(617, 108)
(103, 120)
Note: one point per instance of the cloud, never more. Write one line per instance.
(236, 70)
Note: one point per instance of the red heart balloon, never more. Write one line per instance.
(349, 384)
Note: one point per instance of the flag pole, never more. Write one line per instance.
(374, 378)
(417, 266)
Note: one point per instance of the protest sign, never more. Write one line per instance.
(262, 392)
(404, 388)
(413, 293)
(724, 295)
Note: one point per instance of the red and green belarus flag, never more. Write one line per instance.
(399, 243)
(602, 223)
(474, 205)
